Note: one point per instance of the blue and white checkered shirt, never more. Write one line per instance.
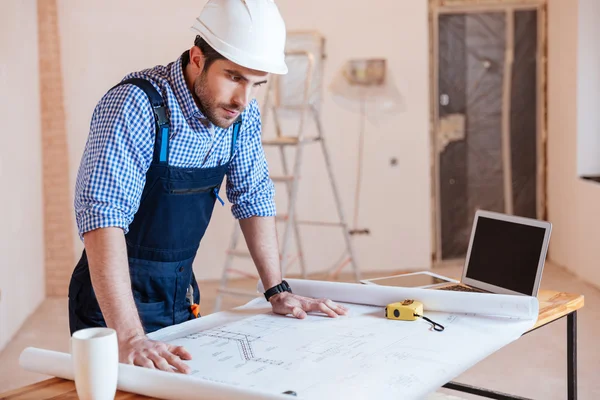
(120, 145)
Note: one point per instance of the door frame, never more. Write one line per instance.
(441, 7)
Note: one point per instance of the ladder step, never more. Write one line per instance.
(281, 141)
(238, 292)
(320, 223)
(284, 217)
(288, 141)
(282, 178)
(239, 253)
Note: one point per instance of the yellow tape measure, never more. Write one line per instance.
(409, 310)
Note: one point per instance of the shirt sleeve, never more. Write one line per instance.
(249, 187)
(117, 155)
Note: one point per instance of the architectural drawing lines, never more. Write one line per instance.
(243, 341)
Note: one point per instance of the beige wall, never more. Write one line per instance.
(21, 236)
(588, 89)
(572, 203)
(103, 40)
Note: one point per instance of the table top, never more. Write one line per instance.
(553, 305)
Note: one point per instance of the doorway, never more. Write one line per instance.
(488, 116)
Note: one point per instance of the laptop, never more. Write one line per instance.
(506, 255)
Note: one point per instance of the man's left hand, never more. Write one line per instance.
(289, 303)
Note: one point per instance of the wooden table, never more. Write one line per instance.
(553, 306)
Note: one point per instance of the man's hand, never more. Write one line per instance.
(289, 303)
(109, 271)
(153, 354)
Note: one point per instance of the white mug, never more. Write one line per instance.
(95, 357)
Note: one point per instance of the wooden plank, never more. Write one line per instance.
(542, 119)
(436, 206)
(58, 389)
(40, 390)
(478, 9)
(506, 96)
(485, 3)
(553, 305)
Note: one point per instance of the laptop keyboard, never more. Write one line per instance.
(459, 288)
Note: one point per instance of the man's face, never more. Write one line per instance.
(225, 89)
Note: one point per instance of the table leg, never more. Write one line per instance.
(490, 394)
(572, 356)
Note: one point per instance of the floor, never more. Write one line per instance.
(534, 366)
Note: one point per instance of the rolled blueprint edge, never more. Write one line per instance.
(143, 381)
(497, 305)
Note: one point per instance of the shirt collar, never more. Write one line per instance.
(183, 94)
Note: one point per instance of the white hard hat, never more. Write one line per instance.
(250, 33)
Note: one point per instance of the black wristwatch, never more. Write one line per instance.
(282, 287)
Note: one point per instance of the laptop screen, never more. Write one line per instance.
(506, 254)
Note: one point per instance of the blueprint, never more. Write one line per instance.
(252, 353)
(363, 355)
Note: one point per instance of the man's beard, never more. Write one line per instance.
(209, 106)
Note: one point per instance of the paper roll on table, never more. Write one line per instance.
(498, 305)
(147, 382)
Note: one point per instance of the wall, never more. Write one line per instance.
(104, 40)
(58, 209)
(572, 202)
(21, 236)
(588, 89)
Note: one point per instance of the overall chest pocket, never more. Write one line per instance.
(183, 189)
(175, 215)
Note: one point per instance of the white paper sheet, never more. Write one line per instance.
(250, 350)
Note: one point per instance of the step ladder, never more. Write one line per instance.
(275, 102)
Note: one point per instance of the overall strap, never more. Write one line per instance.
(161, 144)
(236, 130)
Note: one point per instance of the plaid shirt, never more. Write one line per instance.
(120, 145)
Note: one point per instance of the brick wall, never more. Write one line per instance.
(58, 215)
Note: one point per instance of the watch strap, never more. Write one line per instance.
(282, 287)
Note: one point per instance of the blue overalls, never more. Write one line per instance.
(175, 208)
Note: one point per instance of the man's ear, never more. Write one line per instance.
(197, 59)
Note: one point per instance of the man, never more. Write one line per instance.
(159, 146)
